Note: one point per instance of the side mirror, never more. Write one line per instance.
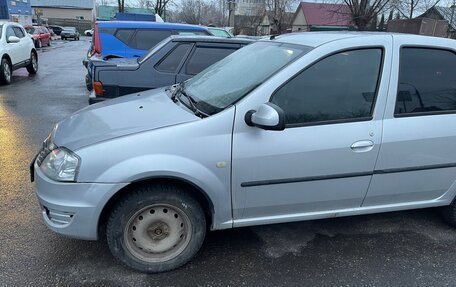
(268, 117)
(13, 39)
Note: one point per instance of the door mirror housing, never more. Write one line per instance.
(13, 39)
(267, 117)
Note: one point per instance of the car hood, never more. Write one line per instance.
(120, 117)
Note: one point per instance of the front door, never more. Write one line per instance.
(324, 159)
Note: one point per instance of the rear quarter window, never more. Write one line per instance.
(203, 57)
(124, 34)
(146, 39)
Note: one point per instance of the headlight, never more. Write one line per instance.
(61, 165)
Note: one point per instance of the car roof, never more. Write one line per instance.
(315, 39)
(9, 22)
(148, 24)
(210, 39)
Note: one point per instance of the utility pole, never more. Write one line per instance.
(231, 7)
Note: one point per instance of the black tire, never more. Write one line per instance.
(32, 67)
(6, 71)
(62, 38)
(449, 213)
(158, 216)
(49, 43)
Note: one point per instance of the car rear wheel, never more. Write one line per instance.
(156, 229)
(32, 67)
(5, 71)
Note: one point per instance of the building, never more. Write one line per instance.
(17, 11)
(318, 16)
(106, 13)
(443, 13)
(64, 9)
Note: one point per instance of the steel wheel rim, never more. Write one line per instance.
(157, 233)
(34, 63)
(6, 71)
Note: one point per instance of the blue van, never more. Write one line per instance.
(131, 39)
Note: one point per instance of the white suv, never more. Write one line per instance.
(16, 51)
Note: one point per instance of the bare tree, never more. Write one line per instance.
(160, 6)
(200, 12)
(408, 8)
(277, 11)
(121, 5)
(365, 12)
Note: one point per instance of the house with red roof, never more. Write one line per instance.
(321, 16)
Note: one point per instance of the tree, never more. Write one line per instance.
(408, 8)
(121, 5)
(364, 12)
(200, 12)
(160, 6)
(277, 12)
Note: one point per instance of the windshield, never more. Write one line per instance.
(230, 79)
(153, 50)
(30, 30)
(69, 29)
(219, 32)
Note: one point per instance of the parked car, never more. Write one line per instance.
(69, 33)
(88, 32)
(132, 39)
(16, 51)
(219, 32)
(41, 35)
(172, 61)
(299, 127)
(56, 29)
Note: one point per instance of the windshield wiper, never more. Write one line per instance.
(179, 92)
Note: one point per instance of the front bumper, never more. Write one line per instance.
(72, 209)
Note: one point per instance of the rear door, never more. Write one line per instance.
(417, 160)
(203, 56)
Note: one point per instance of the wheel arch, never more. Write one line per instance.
(191, 188)
(6, 56)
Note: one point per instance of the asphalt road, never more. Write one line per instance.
(413, 248)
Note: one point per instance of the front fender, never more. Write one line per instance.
(215, 183)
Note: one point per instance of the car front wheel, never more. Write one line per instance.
(5, 72)
(156, 228)
(32, 67)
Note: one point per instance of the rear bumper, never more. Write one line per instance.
(94, 99)
(72, 209)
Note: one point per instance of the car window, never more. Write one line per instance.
(203, 57)
(171, 62)
(427, 82)
(19, 32)
(219, 33)
(124, 34)
(190, 32)
(339, 87)
(146, 39)
(1, 31)
(10, 32)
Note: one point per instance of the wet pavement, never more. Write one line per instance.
(413, 248)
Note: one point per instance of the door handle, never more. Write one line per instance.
(362, 146)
